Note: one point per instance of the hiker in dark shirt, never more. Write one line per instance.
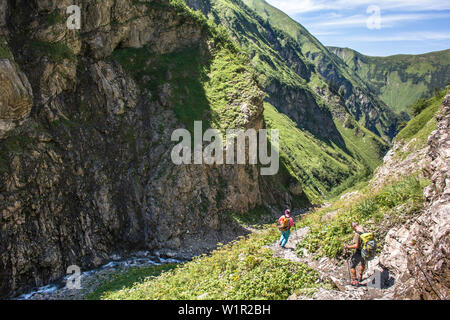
(356, 257)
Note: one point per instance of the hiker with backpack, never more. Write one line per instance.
(364, 245)
(285, 224)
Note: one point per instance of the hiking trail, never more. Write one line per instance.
(334, 271)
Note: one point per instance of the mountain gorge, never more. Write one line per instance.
(305, 87)
(86, 119)
(86, 168)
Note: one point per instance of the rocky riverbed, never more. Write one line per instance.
(92, 279)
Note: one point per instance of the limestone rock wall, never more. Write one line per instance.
(418, 253)
(86, 173)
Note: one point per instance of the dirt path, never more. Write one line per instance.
(332, 270)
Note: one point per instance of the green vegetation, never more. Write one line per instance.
(199, 87)
(15, 144)
(186, 72)
(55, 51)
(4, 163)
(201, 84)
(55, 17)
(417, 107)
(241, 270)
(5, 52)
(322, 167)
(365, 146)
(424, 123)
(400, 80)
(12, 145)
(125, 280)
(255, 218)
(326, 236)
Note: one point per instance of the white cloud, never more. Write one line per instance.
(343, 23)
(404, 36)
(360, 20)
(294, 7)
(326, 33)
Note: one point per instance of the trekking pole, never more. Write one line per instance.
(426, 277)
(348, 265)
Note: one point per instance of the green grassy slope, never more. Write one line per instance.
(208, 82)
(309, 44)
(325, 148)
(417, 130)
(392, 204)
(242, 270)
(401, 79)
(330, 72)
(323, 167)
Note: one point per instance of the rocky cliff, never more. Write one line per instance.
(86, 118)
(328, 110)
(85, 167)
(301, 77)
(417, 253)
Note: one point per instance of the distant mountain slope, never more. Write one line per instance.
(401, 79)
(86, 166)
(328, 143)
(341, 80)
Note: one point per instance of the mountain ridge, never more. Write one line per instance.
(296, 88)
(400, 79)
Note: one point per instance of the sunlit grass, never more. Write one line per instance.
(243, 269)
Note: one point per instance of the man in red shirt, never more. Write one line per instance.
(285, 224)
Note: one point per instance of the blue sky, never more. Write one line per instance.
(375, 27)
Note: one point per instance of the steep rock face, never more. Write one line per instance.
(310, 115)
(431, 235)
(418, 252)
(203, 6)
(394, 167)
(3, 12)
(88, 173)
(16, 96)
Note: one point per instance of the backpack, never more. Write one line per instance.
(368, 245)
(284, 223)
